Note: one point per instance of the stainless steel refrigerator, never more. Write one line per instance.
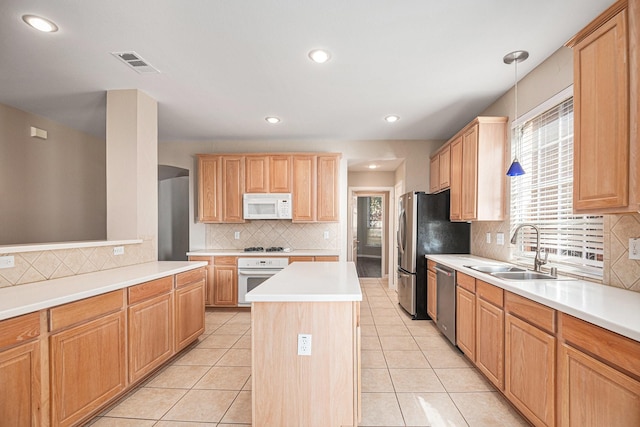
(424, 228)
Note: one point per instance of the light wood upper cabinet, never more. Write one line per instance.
(455, 213)
(256, 174)
(20, 371)
(232, 188)
(209, 188)
(434, 174)
(477, 170)
(606, 109)
(304, 188)
(440, 172)
(280, 173)
(328, 188)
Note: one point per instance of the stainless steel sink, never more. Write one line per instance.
(523, 275)
(495, 268)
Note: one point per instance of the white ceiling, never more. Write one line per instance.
(227, 64)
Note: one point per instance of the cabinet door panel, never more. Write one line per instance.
(189, 324)
(469, 198)
(594, 394)
(280, 174)
(150, 335)
(232, 188)
(257, 174)
(328, 169)
(20, 385)
(434, 174)
(304, 188)
(466, 322)
(432, 298)
(225, 286)
(209, 189)
(530, 370)
(490, 341)
(456, 180)
(87, 367)
(601, 113)
(444, 160)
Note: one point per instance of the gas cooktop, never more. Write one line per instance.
(270, 249)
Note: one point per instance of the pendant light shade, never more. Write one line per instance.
(513, 58)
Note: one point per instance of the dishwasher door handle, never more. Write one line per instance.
(447, 272)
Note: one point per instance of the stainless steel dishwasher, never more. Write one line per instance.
(446, 301)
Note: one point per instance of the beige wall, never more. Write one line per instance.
(371, 179)
(50, 190)
(549, 78)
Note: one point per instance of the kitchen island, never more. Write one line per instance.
(322, 301)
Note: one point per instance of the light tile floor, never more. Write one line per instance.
(411, 376)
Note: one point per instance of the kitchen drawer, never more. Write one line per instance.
(537, 314)
(150, 289)
(84, 310)
(192, 276)
(19, 329)
(466, 282)
(326, 259)
(490, 293)
(431, 265)
(225, 260)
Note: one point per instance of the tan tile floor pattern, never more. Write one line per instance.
(411, 376)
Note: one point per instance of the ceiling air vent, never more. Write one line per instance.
(136, 62)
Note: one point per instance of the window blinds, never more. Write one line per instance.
(543, 196)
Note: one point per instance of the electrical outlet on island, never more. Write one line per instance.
(304, 344)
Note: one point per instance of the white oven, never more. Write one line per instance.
(253, 271)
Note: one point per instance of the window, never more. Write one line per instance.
(543, 196)
(374, 221)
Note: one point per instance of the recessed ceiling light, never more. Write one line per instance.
(40, 23)
(320, 56)
(272, 120)
(392, 118)
(372, 166)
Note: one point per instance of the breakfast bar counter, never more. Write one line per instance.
(305, 344)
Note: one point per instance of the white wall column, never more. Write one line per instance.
(132, 166)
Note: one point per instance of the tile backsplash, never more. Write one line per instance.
(36, 266)
(618, 270)
(268, 233)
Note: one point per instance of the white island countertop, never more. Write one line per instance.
(24, 299)
(240, 252)
(615, 309)
(310, 282)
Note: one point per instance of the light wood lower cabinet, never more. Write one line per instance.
(490, 332)
(20, 371)
(209, 289)
(225, 281)
(466, 322)
(150, 326)
(87, 367)
(432, 295)
(530, 354)
(189, 307)
(313, 391)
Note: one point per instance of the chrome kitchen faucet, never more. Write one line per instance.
(537, 262)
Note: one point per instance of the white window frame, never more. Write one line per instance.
(584, 234)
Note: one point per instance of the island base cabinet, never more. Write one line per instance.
(319, 390)
(530, 381)
(20, 385)
(594, 394)
(189, 314)
(87, 366)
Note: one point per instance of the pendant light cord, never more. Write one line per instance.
(515, 118)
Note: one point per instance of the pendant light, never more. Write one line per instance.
(514, 57)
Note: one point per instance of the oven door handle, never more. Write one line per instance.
(257, 273)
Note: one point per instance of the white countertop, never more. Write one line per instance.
(23, 299)
(615, 309)
(240, 252)
(310, 282)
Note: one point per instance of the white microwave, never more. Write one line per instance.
(266, 205)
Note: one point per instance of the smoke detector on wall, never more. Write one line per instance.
(136, 62)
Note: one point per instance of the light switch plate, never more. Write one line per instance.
(326, 235)
(634, 248)
(488, 237)
(236, 235)
(500, 239)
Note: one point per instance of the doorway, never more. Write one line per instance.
(369, 229)
(173, 213)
